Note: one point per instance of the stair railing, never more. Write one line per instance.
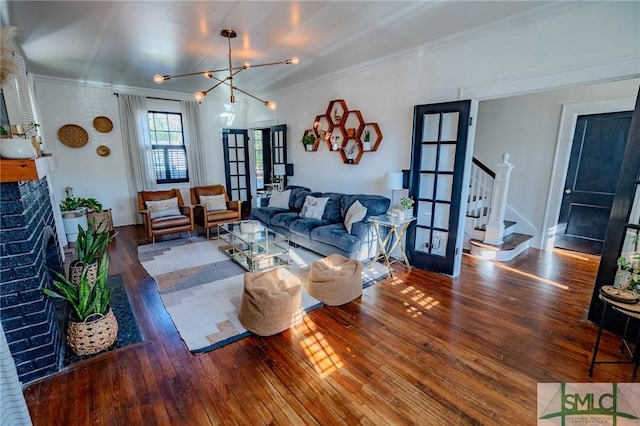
(481, 187)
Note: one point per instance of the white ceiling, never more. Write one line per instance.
(127, 42)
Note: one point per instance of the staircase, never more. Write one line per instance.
(487, 234)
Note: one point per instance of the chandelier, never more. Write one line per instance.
(228, 80)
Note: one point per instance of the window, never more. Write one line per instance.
(257, 142)
(169, 152)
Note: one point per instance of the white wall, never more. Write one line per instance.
(105, 178)
(567, 44)
(527, 127)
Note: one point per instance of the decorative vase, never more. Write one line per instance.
(71, 220)
(408, 213)
(309, 147)
(366, 146)
(17, 149)
(92, 335)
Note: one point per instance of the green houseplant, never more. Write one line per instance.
(366, 140)
(91, 245)
(308, 140)
(73, 214)
(632, 268)
(92, 326)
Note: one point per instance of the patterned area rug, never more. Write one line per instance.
(201, 288)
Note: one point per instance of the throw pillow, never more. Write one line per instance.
(214, 203)
(163, 208)
(279, 199)
(313, 207)
(356, 213)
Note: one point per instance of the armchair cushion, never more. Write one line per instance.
(163, 208)
(214, 202)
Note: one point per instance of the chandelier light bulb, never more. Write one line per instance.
(271, 105)
(199, 96)
(246, 65)
(207, 74)
(158, 79)
(294, 61)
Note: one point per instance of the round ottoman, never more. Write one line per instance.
(270, 301)
(335, 280)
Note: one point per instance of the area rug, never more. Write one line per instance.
(201, 288)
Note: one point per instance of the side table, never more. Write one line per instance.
(632, 311)
(397, 228)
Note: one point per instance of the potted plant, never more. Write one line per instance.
(98, 218)
(631, 267)
(91, 245)
(308, 140)
(91, 327)
(366, 143)
(407, 205)
(73, 215)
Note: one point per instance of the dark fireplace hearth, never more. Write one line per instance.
(28, 249)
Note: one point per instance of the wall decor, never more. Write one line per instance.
(103, 150)
(102, 124)
(346, 132)
(73, 135)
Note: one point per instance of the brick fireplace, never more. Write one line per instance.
(28, 249)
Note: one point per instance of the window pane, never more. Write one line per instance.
(169, 152)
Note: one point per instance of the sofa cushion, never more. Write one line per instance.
(284, 219)
(298, 194)
(265, 214)
(304, 227)
(313, 207)
(279, 199)
(356, 213)
(375, 204)
(334, 234)
(332, 211)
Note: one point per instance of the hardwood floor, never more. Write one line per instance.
(420, 348)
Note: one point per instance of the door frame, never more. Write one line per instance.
(562, 154)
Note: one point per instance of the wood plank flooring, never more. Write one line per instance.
(419, 348)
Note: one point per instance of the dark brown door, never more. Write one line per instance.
(438, 158)
(596, 155)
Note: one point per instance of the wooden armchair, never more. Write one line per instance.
(164, 212)
(211, 211)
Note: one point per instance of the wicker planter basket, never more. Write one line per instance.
(76, 268)
(93, 335)
(101, 221)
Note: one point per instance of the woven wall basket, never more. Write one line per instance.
(73, 135)
(93, 335)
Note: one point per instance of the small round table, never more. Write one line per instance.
(632, 311)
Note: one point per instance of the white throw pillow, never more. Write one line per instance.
(214, 202)
(313, 207)
(356, 213)
(163, 208)
(279, 199)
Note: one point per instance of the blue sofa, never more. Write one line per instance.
(327, 235)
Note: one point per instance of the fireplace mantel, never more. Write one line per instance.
(23, 170)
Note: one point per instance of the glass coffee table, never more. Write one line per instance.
(256, 247)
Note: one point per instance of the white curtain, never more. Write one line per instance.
(138, 155)
(195, 143)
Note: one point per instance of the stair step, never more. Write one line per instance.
(507, 224)
(484, 211)
(512, 245)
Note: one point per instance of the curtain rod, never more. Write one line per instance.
(152, 97)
